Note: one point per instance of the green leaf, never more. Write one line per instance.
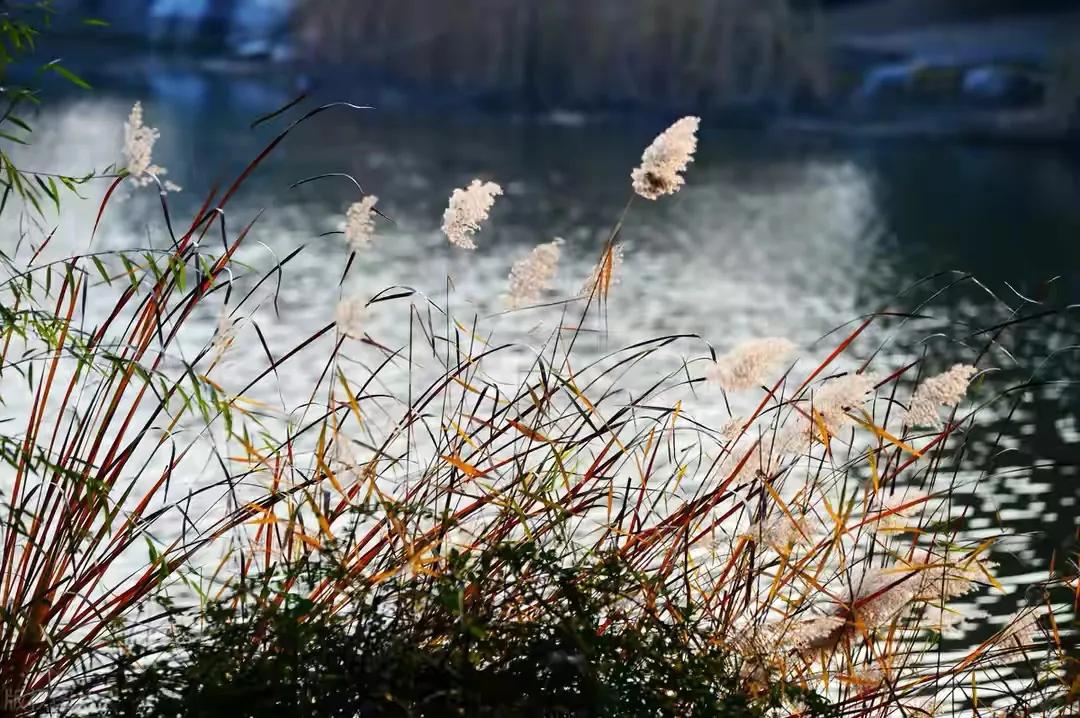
(101, 270)
(20, 123)
(49, 189)
(180, 272)
(151, 551)
(129, 267)
(55, 193)
(153, 266)
(67, 74)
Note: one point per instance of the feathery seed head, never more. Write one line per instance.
(532, 275)
(942, 619)
(869, 677)
(1022, 629)
(665, 159)
(780, 532)
(139, 148)
(881, 595)
(749, 364)
(467, 209)
(942, 579)
(946, 389)
(1021, 632)
(835, 397)
(753, 639)
(351, 314)
(360, 223)
(812, 633)
(733, 429)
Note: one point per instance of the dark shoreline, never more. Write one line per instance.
(134, 67)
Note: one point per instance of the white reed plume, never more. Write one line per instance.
(1022, 629)
(869, 677)
(880, 595)
(794, 437)
(665, 159)
(916, 707)
(761, 450)
(812, 633)
(779, 532)
(749, 364)
(942, 580)
(946, 389)
(752, 639)
(139, 149)
(756, 643)
(734, 428)
(468, 208)
(360, 223)
(1020, 633)
(606, 273)
(351, 315)
(530, 276)
(833, 400)
(942, 619)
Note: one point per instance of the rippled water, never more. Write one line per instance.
(772, 236)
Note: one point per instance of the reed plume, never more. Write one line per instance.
(467, 210)
(138, 150)
(531, 276)
(360, 223)
(943, 390)
(665, 160)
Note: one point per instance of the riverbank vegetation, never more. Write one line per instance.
(435, 530)
(703, 55)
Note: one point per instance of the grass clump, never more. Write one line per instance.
(454, 646)
(428, 533)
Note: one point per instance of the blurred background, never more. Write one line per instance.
(971, 67)
(849, 149)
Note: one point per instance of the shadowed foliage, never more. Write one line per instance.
(446, 650)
